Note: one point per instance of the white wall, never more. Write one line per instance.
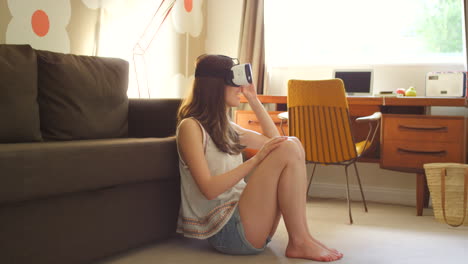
(379, 185)
(386, 77)
(223, 26)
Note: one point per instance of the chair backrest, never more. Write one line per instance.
(319, 118)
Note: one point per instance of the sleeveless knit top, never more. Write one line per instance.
(199, 217)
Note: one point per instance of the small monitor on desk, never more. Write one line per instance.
(357, 82)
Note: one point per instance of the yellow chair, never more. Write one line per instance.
(318, 115)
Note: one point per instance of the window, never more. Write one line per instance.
(318, 32)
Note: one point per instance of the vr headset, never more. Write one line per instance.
(238, 75)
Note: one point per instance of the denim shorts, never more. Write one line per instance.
(231, 238)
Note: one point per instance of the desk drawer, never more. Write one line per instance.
(248, 120)
(423, 128)
(413, 154)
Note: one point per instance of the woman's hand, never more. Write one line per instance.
(249, 91)
(268, 147)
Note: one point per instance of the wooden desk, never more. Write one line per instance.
(378, 100)
(405, 108)
(367, 105)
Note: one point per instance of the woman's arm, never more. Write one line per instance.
(190, 142)
(249, 138)
(252, 139)
(267, 124)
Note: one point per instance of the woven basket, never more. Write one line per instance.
(448, 185)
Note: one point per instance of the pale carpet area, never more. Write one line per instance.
(386, 234)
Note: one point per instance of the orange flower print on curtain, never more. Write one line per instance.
(42, 24)
(187, 18)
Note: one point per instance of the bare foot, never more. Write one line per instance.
(334, 251)
(311, 250)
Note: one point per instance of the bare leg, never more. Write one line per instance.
(280, 182)
(275, 222)
(299, 144)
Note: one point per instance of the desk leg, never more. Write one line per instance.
(422, 193)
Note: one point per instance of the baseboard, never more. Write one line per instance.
(371, 193)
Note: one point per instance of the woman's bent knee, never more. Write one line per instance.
(296, 140)
(299, 145)
(290, 149)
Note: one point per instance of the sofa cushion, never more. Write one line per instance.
(38, 170)
(82, 97)
(155, 117)
(19, 110)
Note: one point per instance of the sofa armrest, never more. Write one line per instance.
(152, 117)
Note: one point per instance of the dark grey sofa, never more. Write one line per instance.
(85, 172)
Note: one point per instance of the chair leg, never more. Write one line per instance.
(310, 180)
(360, 187)
(348, 196)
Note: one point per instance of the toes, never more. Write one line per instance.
(336, 253)
(329, 258)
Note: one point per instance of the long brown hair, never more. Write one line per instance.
(206, 103)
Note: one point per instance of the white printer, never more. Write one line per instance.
(446, 84)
